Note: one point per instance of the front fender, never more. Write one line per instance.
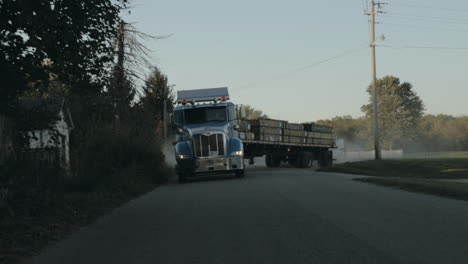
(185, 148)
(234, 144)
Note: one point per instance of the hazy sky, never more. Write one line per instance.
(260, 49)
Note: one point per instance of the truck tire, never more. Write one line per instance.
(268, 160)
(330, 158)
(307, 159)
(182, 178)
(275, 160)
(272, 160)
(304, 159)
(325, 158)
(292, 161)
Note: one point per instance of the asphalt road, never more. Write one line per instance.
(273, 216)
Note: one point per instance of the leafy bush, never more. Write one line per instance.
(111, 154)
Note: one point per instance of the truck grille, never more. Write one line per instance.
(208, 145)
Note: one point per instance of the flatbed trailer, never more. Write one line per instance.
(277, 149)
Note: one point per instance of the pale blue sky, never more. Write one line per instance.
(256, 48)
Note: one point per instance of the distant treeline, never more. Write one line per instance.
(431, 133)
(402, 122)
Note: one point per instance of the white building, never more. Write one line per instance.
(47, 124)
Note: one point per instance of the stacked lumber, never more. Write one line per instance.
(270, 130)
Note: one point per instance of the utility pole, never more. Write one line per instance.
(378, 154)
(119, 73)
(165, 115)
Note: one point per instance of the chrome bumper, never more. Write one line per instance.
(218, 164)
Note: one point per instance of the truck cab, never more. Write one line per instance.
(207, 138)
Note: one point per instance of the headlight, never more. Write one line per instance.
(237, 153)
(182, 156)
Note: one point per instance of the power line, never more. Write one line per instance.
(424, 47)
(430, 7)
(412, 26)
(364, 6)
(300, 69)
(430, 18)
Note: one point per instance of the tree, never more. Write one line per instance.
(400, 109)
(252, 113)
(72, 39)
(442, 133)
(156, 91)
(354, 131)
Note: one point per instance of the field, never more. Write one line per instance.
(437, 155)
(434, 175)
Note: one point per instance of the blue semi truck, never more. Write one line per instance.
(214, 137)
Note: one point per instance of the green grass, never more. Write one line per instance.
(454, 190)
(437, 155)
(417, 175)
(406, 168)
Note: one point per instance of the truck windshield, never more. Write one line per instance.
(206, 114)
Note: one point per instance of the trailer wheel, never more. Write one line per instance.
(307, 159)
(325, 158)
(292, 161)
(273, 160)
(268, 160)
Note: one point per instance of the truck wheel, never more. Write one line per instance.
(329, 158)
(307, 160)
(292, 161)
(182, 178)
(272, 160)
(304, 160)
(325, 158)
(275, 160)
(268, 160)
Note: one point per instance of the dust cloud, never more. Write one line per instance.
(168, 151)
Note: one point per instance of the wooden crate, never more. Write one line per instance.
(294, 133)
(268, 137)
(244, 126)
(294, 126)
(266, 123)
(297, 140)
(266, 130)
(246, 135)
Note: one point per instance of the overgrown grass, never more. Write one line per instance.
(110, 167)
(406, 168)
(418, 175)
(34, 218)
